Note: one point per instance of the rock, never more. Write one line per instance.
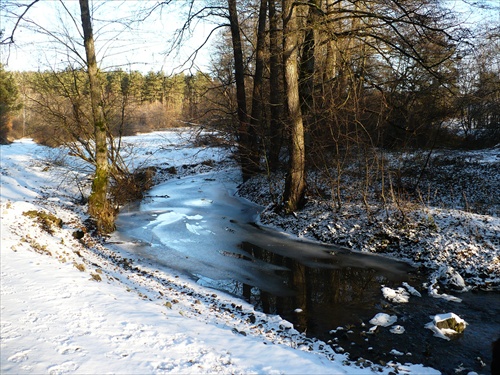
(78, 234)
(449, 276)
(452, 323)
(457, 280)
(396, 352)
(446, 325)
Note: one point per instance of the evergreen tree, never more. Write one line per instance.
(8, 103)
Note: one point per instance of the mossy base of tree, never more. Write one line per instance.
(104, 217)
(100, 208)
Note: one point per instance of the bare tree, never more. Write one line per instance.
(275, 97)
(257, 94)
(99, 207)
(239, 75)
(295, 185)
(96, 141)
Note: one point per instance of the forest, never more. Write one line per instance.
(322, 88)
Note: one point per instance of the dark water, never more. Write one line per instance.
(195, 226)
(331, 295)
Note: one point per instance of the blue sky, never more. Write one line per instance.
(138, 46)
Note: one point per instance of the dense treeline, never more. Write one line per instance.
(56, 107)
(335, 83)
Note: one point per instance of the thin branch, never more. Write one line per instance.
(10, 39)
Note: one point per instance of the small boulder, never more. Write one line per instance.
(446, 325)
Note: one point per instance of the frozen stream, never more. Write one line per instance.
(197, 226)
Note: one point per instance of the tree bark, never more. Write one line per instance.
(307, 63)
(308, 67)
(239, 75)
(275, 83)
(295, 185)
(99, 206)
(256, 117)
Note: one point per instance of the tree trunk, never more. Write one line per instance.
(296, 181)
(307, 63)
(256, 117)
(99, 207)
(239, 75)
(275, 82)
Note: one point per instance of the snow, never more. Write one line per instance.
(72, 305)
(448, 273)
(433, 292)
(399, 295)
(411, 289)
(383, 320)
(398, 330)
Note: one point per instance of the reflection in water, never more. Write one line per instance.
(325, 293)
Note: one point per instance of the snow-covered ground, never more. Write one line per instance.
(73, 304)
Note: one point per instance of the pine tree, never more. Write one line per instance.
(8, 103)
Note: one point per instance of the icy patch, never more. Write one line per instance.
(193, 228)
(384, 320)
(194, 217)
(445, 325)
(197, 229)
(168, 218)
(435, 294)
(202, 202)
